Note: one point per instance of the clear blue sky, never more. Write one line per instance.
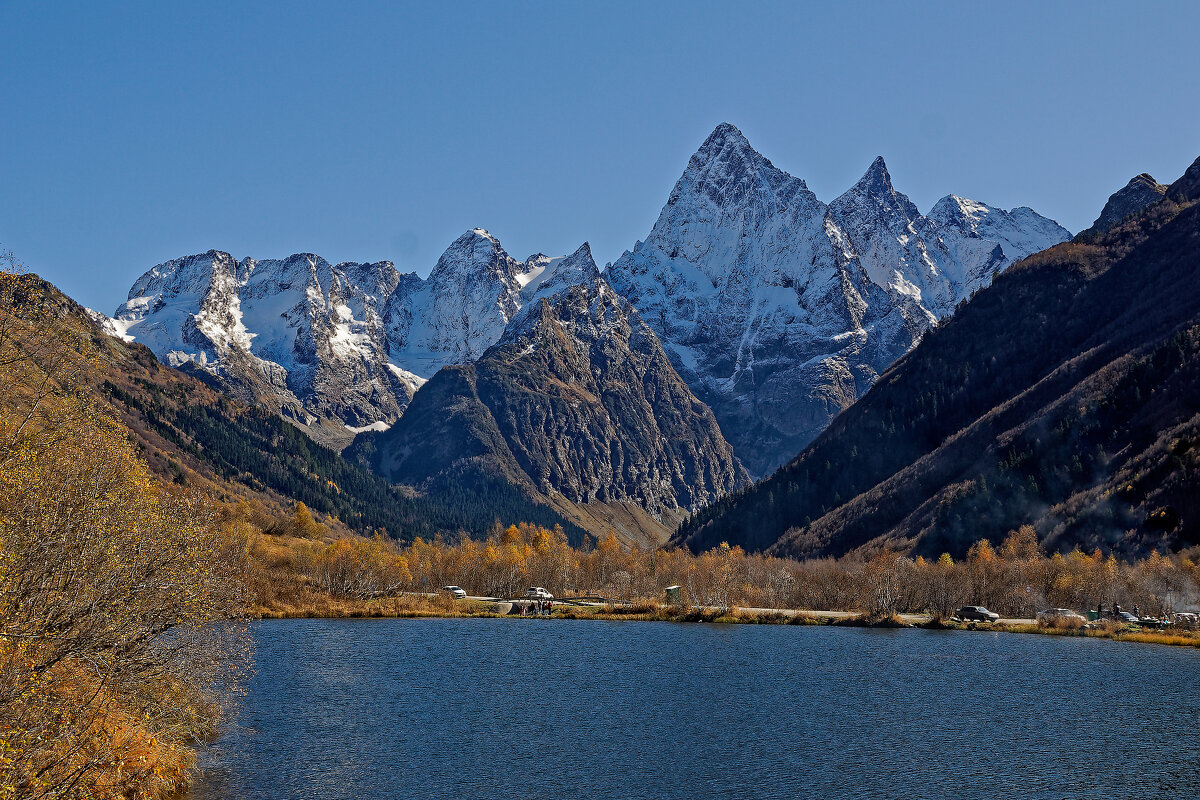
(136, 132)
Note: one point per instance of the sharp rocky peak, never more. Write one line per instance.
(475, 254)
(724, 137)
(1141, 192)
(1188, 186)
(875, 187)
(582, 261)
(877, 174)
(728, 169)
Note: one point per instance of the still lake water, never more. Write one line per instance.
(486, 708)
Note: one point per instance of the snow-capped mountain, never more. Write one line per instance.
(779, 310)
(298, 333)
(776, 309)
(346, 343)
(461, 309)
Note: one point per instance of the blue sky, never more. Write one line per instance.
(136, 132)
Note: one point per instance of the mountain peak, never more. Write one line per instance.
(473, 238)
(479, 233)
(550, 276)
(876, 177)
(1188, 186)
(875, 187)
(724, 134)
(1141, 192)
(583, 251)
(726, 150)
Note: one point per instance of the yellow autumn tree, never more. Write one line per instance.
(304, 526)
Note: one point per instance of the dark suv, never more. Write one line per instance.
(976, 614)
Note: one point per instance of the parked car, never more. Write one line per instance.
(1059, 614)
(1185, 619)
(538, 593)
(1126, 617)
(458, 592)
(976, 614)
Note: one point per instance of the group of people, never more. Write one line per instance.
(538, 608)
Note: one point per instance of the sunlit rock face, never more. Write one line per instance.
(780, 310)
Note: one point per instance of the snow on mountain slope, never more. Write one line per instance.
(779, 311)
(347, 343)
(299, 330)
(462, 308)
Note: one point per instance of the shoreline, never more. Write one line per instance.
(438, 608)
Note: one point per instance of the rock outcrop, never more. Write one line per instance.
(1140, 193)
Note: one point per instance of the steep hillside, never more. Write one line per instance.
(193, 434)
(578, 404)
(1066, 395)
(779, 310)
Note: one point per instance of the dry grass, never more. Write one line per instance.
(1189, 639)
(1105, 630)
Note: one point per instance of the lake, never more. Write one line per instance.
(487, 708)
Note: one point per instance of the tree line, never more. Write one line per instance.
(1015, 579)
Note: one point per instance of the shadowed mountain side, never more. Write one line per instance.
(1140, 193)
(577, 404)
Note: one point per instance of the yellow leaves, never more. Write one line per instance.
(96, 559)
(981, 553)
(304, 526)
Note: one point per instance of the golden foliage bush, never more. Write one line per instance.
(115, 650)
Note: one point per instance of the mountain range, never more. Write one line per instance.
(641, 395)
(576, 403)
(1065, 396)
(711, 352)
(337, 349)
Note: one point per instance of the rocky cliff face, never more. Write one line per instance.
(1141, 192)
(577, 400)
(779, 310)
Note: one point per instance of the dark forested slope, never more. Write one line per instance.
(1065, 395)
